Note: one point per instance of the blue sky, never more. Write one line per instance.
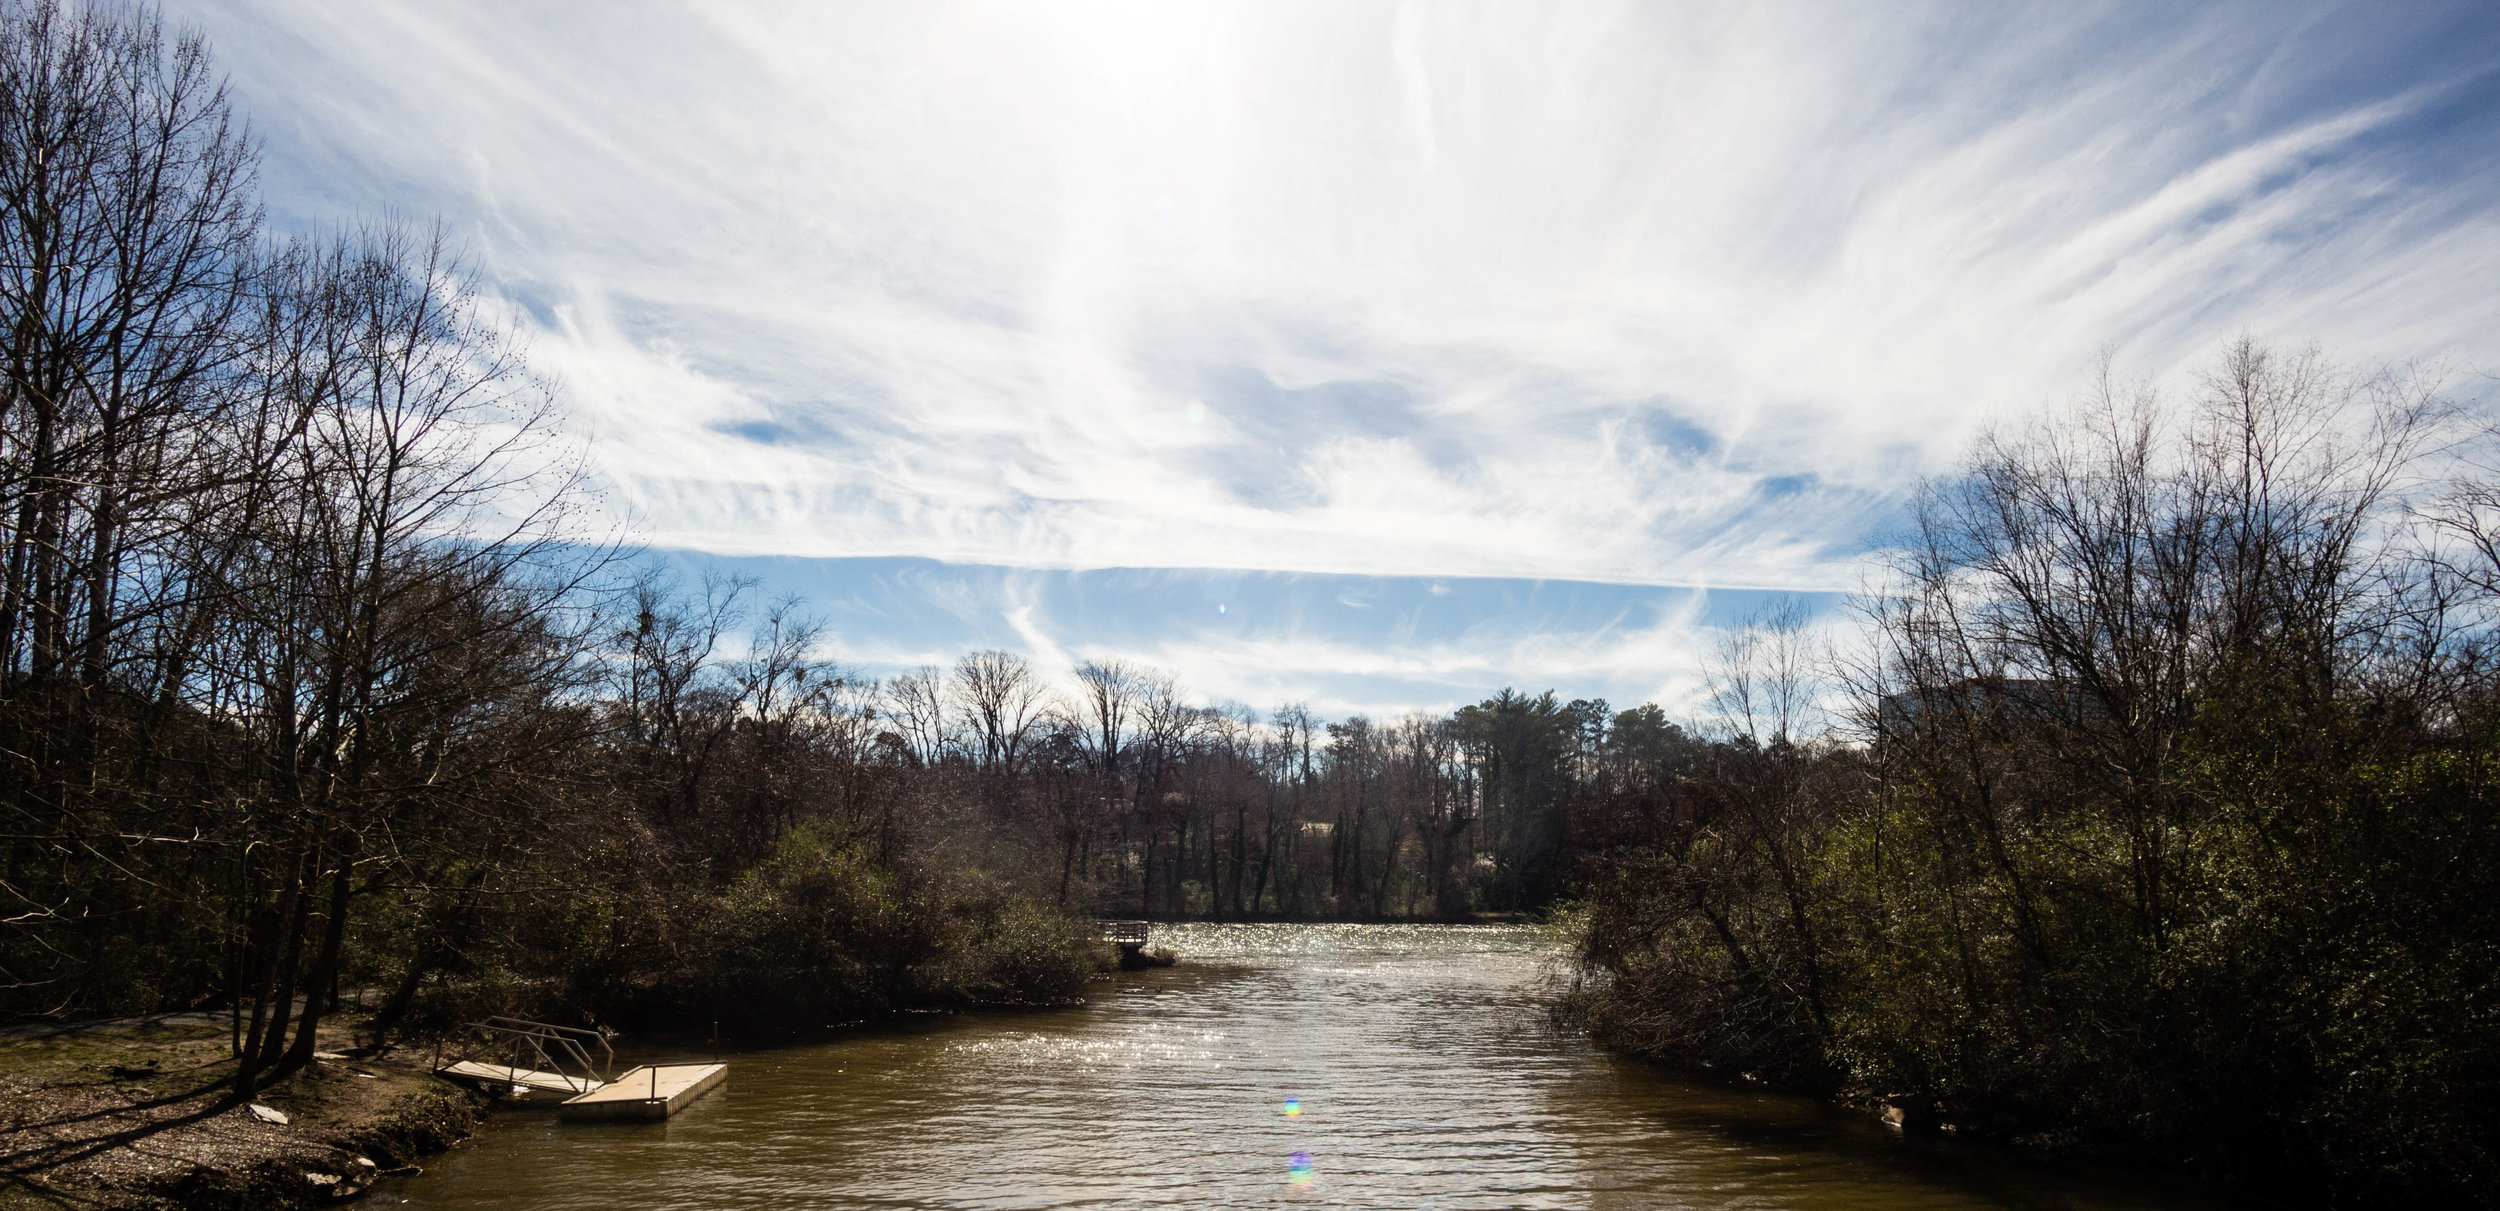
(1446, 346)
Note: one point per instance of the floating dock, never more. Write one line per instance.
(566, 1065)
(654, 1091)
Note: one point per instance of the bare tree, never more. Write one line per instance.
(424, 493)
(2092, 576)
(127, 242)
(1106, 706)
(917, 703)
(125, 257)
(1165, 726)
(1000, 700)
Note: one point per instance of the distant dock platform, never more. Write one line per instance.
(1131, 937)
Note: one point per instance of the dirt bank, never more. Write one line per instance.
(127, 1114)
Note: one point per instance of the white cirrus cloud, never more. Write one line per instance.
(1630, 293)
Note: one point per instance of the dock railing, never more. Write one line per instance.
(566, 1051)
(1126, 933)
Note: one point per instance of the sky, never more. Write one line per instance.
(1372, 355)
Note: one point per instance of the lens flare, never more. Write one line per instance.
(1293, 1107)
(1298, 1170)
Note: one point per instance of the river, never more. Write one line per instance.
(1324, 1065)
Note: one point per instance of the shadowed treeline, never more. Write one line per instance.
(1108, 791)
(1141, 802)
(2159, 819)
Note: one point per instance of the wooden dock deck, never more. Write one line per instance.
(654, 1091)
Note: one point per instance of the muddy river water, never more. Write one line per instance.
(1320, 1065)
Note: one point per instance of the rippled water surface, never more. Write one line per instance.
(1417, 1056)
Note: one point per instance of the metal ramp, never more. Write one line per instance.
(525, 1055)
(541, 1081)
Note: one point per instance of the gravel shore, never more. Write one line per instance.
(129, 1114)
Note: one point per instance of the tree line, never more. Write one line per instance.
(1141, 801)
(2149, 809)
(1108, 790)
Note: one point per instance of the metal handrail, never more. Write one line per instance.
(571, 1043)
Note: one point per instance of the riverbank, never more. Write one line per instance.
(127, 1115)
